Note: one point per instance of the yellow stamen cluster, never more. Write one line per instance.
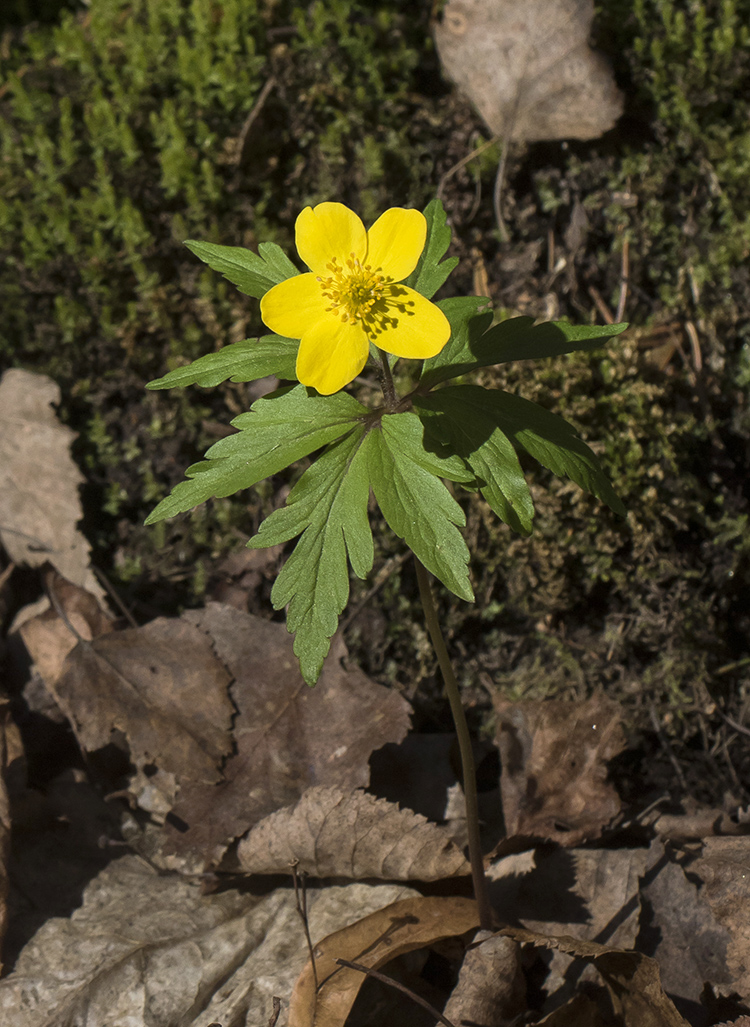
(356, 293)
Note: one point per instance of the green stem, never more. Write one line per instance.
(386, 381)
(464, 745)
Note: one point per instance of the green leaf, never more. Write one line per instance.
(515, 339)
(441, 459)
(328, 506)
(417, 505)
(454, 416)
(550, 439)
(252, 273)
(277, 430)
(430, 273)
(467, 327)
(243, 361)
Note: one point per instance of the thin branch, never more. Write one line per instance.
(624, 275)
(300, 896)
(369, 972)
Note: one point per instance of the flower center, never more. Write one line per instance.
(356, 293)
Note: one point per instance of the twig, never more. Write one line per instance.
(276, 1012)
(369, 972)
(624, 275)
(695, 345)
(252, 117)
(497, 193)
(300, 896)
(102, 578)
(601, 306)
(462, 164)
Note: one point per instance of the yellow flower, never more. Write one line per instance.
(351, 297)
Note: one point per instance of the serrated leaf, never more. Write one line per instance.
(244, 361)
(439, 459)
(516, 339)
(547, 437)
(453, 415)
(277, 430)
(430, 272)
(418, 507)
(328, 507)
(467, 327)
(252, 273)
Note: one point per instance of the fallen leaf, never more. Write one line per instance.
(724, 868)
(632, 979)
(332, 834)
(681, 930)
(372, 941)
(289, 736)
(491, 989)
(49, 639)
(150, 949)
(39, 502)
(162, 686)
(528, 68)
(554, 767)
(6, 755)
(580, 1011)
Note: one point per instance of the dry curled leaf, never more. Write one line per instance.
(39, 502)
(51, 635)
(151, 950)
(372, 941)
(724, 869)
(160, 685)
(491, 989)
(332, 834)
(528, 68)
(289, 736)
(554, 767)
(632, 979)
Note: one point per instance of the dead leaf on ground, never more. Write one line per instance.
(162, 686)
(724, 868)
(49, 639)
(691, 945)
(528, 68)
(289, 737)
(632, 979)
(554, 767)
(7, 753)
(332, 834)
(491, 988)
(372, 941)
(39, 502)
(148, 949)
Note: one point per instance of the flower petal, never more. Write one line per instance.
(414, 327)
(327, 231)
(331, 354)
(395, 242)
(292, 307)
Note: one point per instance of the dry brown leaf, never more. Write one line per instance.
(150, 949)
(554, 767)
(580, 1011)
(39, 503)
(372, 941)
(528, 68)
(724, 868)
(491, 988)
(49, 639)
(162, 686)
(632, 979)
(332, 834)
(691, 946)
(289, 737)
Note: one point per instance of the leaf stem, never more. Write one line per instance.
(464, 745)
(386, 381)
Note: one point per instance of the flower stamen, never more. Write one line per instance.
(359, 293)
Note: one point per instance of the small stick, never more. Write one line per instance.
(624, 275)
(695, 345)
(276, 1012)
(252, 116)
(601, 306)
(300, 895)
(369, 972)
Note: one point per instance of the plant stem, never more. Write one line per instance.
(386, 381)
(464, 745)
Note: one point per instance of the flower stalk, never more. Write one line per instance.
(464, 744)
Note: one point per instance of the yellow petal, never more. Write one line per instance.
(329, 231)
(414, 327)
(395, 242)
(293, 306)
(331, 354)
